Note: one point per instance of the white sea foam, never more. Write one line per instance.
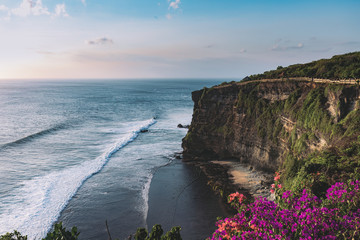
(177, 116)
(37, 204)
(145, 196)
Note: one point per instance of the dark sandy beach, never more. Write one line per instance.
(179, 196)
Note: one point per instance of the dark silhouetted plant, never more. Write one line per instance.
(60, 233)
(13, 236)
(157, 234)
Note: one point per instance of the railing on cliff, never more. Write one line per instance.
(306, 79)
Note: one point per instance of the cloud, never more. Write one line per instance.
(300, 45)
(83, 2)
(100, 41)
(175, 4)
(60, 10)
(3, 8)
(4, 13)
(278, 47)
(34, 8)
(30, 7)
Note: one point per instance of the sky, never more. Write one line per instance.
(104, 39)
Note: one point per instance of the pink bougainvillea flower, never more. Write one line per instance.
(277, 176)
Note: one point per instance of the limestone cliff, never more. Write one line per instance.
(263, 123)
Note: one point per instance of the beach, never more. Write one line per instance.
(243, 176)
(183, 194)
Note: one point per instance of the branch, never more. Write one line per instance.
(107, 229)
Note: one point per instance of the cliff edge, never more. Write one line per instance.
(269, 124)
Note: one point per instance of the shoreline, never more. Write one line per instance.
(193, 194)
(228, 176)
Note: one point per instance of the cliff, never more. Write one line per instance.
(271, 125)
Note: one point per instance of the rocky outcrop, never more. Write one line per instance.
(262, 123)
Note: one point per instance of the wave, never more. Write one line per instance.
(36, 205)
(31, 137)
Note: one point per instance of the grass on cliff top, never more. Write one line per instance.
(338, 67)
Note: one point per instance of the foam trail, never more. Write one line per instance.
(145, 196)
(34, 207)
(34, 136)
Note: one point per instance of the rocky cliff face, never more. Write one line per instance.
(263, 123)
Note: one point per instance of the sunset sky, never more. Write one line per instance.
(61, 39)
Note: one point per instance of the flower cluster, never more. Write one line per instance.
(276, 185)
(237, 195)
(343, 196)
(236, 200)
(299, 216)
(277, 176)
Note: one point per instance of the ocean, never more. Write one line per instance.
(85, 152)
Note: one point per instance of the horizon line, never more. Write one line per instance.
(112, 79)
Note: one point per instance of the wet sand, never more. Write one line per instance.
(257, 183)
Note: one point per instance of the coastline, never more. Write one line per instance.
(193, 194)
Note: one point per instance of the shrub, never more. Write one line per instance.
(157, 234)
(60, 233)
(295, 215)
(13, 236)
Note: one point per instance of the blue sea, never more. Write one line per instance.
(84, 152)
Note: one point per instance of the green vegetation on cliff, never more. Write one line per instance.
(321, 169)
(307, 112)
(338, 67)
(308, 125)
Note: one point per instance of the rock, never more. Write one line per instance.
(178, 155)
(182, 126)
(225, 123)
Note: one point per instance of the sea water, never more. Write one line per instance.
(84, 152)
